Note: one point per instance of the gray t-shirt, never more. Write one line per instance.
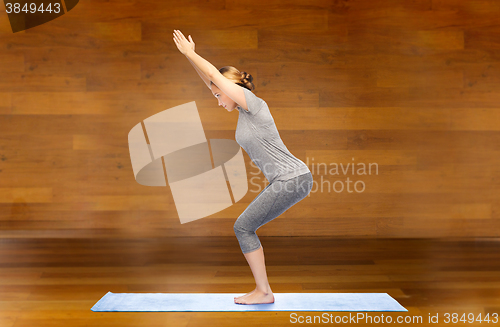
(257, 134)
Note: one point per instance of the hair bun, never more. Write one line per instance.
(238, 77)
(246, 76)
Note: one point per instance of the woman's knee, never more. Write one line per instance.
(236, 227)
(239, 227)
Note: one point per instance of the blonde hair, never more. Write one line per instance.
(234, 75)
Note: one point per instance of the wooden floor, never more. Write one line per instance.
(55, 282)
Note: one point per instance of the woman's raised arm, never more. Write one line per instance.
(187, 48)
(182, 46)
(205, 79)
(232, 90)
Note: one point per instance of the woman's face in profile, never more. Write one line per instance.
(223, 99)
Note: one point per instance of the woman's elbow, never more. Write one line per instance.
(210, 74)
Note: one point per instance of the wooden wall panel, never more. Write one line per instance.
(411, 87)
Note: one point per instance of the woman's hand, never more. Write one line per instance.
(182, 43)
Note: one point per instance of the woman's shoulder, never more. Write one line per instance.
(254, 103)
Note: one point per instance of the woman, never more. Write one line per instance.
(289, 178)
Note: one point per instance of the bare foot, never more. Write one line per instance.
(256, 297)
(245, 295)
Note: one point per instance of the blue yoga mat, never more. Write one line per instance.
(170, 302)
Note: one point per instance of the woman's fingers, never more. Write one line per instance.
(180, 35)
(177, 41)
(191, 40)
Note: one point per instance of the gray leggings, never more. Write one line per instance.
(275, 198)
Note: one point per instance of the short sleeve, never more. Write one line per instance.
(254, 103)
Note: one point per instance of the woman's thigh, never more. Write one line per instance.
(253, 216)
(294, 190)
(275, 199)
